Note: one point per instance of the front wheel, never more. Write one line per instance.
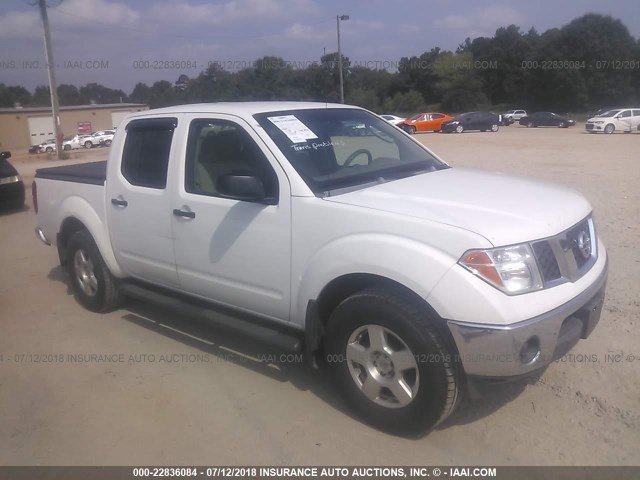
(49, 150)
(390, 362)
(494, 128)
(107, 143)
(609, 128)
(459, 129)
(411, 130)
(93, 285)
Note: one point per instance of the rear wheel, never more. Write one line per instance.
(67, 147)
(88, 144)
(107, 143)
(530, 124)
(94, 286)
(49, 149)
(390, 362)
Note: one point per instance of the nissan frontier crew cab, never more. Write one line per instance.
(405, 277)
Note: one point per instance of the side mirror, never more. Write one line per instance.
(241, 186)
(5, 155)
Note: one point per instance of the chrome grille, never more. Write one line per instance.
(567, 256)
(546, 261)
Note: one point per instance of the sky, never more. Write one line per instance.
(119, 43)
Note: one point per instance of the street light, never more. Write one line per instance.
(338, 18)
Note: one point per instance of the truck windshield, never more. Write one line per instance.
(338, 148)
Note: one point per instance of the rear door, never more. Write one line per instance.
(139, 201)
(635, 118)
(233, 252)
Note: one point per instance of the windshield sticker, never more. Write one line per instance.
(293, 128)
(316, 146)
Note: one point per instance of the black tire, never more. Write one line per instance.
(411, 130)
(495, 127)
(88, 144)
(530, 124)
(106, 296)
(107, 143)
(435, 377)
(561, 125)
(49, 150)
(609, 129)
(67, 148)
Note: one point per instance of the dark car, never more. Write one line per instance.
(546, 119)
(482, 121)
(11, 186)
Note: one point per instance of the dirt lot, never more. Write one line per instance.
(178, 392)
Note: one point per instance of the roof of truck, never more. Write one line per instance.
(241, 108)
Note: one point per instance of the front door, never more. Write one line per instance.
(234, 252)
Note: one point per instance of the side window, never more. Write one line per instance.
(437, 116)
(145, 157)
(636, 113)
(220, 147)
(626, 114)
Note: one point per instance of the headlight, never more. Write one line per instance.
(599, 122)
(12, 179)
(510, 269)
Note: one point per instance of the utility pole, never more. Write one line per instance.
(338, 18)
(52, 78)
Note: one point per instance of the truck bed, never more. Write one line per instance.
(94, 173)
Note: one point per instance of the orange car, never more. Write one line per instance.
(425, 122)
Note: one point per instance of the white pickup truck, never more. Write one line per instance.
(406, 277)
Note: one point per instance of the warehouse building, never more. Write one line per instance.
(22, 127)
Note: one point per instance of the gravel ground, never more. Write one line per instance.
(178, 392)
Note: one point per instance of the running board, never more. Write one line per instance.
(225, 320)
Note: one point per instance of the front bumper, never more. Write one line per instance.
(501, 351)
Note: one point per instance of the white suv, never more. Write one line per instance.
(514, 115)
(621, 119)
(99, 138)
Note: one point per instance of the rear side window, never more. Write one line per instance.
(146, 151)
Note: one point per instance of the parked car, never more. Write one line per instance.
(393, 119)
(11, 185)
(49, 146)
(35, 148)
(482, 121)
(372, 243)
(101, 138)
(425, 122)
(513, 116)
(619, 119)
(546, 119)
(74, 142)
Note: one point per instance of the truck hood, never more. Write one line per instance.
(502, 208)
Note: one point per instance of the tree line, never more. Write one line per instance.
(592, 62)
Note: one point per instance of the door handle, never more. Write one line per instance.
(119, 202)
(184, 213)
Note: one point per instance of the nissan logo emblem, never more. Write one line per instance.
(583, 242)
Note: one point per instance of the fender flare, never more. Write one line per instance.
(79, 209)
